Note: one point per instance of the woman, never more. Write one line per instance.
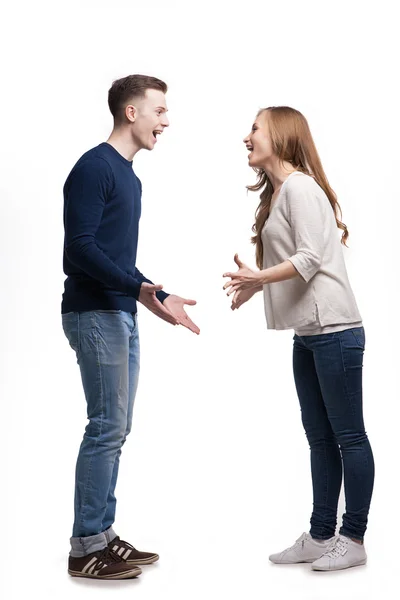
(306, 288)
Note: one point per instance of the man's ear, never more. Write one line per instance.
(131, 113)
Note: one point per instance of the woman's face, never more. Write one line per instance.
(259, 142)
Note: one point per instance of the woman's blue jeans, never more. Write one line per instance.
(328, 376)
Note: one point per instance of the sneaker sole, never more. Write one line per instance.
(297, 562)
(126, 575)
(357, 564)
(143, 561)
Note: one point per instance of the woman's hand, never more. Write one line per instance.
(244, 279)
(242, 296)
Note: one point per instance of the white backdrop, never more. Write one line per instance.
(215, 474)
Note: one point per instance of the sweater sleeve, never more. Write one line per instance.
(161, 295)
(85, 195)
(306, 218)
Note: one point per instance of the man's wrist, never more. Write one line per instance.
(161, 295)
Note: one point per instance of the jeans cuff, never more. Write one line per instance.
(349, 534)
(82, 546)
(110, 534)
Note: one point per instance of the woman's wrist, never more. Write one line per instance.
(263, 278)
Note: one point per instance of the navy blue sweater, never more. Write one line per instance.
(102, 206)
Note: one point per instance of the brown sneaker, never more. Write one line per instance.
(130, 555)
(103, 564)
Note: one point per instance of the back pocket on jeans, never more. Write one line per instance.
(359, 336)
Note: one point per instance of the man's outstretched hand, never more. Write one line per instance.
(175, 305)
(171, 310)
(148, 298)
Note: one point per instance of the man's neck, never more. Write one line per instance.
(121, 139)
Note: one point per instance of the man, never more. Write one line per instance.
(102, 206)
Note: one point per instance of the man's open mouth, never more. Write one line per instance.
(156, 132)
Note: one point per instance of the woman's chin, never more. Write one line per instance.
(252, 162)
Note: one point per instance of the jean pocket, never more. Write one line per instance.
(359, 336)
(70, 323)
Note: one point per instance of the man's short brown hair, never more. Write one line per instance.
(124, 90)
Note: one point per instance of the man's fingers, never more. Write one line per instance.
(168, 316)
(162, 315)
(165, 316)
(188, 323)
(192, 326)
(158, 308)
(151, 287)
(190, 302)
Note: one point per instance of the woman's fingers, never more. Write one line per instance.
(233, 290)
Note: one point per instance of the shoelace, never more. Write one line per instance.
(299, 541)
(118, 539)
(339, 549)
(107, 557)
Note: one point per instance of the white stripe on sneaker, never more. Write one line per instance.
(115, 548)
(121, 551)
(98, 570)
(127, 553)
(91, 561)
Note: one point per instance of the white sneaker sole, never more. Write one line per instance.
(293, 562)
(125, 575)
(339, 568)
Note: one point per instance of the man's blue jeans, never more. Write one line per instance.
(106, 343)
(328, 376)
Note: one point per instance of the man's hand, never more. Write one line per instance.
(175, 306)
(244, 279)
(148, 298)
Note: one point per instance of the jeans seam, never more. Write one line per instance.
(345, 377)
(343, 527)
(326, 481)
(79, 334)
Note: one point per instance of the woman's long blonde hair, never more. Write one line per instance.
(292, 142)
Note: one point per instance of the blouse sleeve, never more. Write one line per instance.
(306, 217)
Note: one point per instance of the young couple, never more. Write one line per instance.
(303, 278)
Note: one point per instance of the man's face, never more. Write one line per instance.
(150, 118)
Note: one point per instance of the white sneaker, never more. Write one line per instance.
(343, 553)
(306, 549)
